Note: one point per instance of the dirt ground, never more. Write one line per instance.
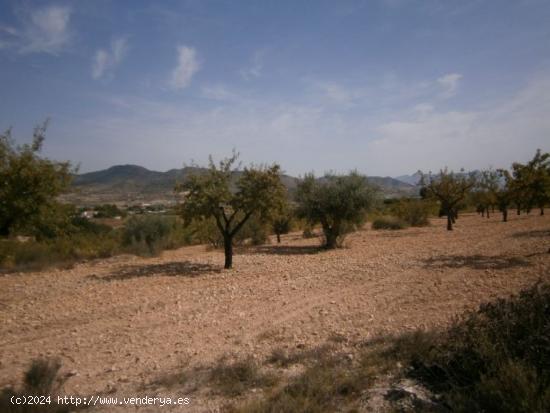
(122, 323)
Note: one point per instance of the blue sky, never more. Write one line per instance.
(384, 86)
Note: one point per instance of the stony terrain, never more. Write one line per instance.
(119, 325)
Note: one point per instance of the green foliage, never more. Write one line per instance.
(449, 189)
(149, 234)
(29, 184)
(529, 185)
(255, 231)
(33, 255)
(205, 231)
(392, 223)
(234, 378)
(414, 212)
(282, 221)
(486, 190)
(258, 191)
(494, 359)
(328, 383)
(338, 203)
(108, 211)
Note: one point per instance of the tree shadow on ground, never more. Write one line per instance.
(532, 234)
(477, 262)
(286, 249)
(175, 269)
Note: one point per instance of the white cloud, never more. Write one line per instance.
(449, 84)
(219, 93)
(497, 134)
(46, 30)
(105, 61)
(41, 30)
(187, 66)
(337, 93)
(312, 135)
(254, 69)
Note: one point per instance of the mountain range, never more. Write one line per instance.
(131, 184)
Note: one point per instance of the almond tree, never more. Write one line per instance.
(486, 189)
(504, 194)
(231, 197)
(449, 189)
(29, 184)
(539, 180)
(530, 185)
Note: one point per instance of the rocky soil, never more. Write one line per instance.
(120, 325)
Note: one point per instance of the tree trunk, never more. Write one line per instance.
(330, 236)
(483, 213)
(542, 210)
(487, 212)
(278, 238)
(228, 249)
(450, 221)
(518, 210)
(504, 215)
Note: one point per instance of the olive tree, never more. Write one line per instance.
(29, 184)
(231, 197)
(338, 202)
(449, 189)
(281, 222)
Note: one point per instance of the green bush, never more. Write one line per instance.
(205, 231)
(392, 223)
(149, 234)
(108, 211)
(494, 359)
(35, 255)
(254, 232)
(414, 212)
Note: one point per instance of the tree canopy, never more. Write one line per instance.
(231, 197)
(449, 189)
(29, 184)
(338, 202)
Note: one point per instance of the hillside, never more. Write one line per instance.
(133, 183)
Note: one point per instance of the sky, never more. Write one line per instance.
(386, 87)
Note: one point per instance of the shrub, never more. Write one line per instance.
(494, 359)
(414, 212)
(388, 223)
(322, 387)
(233, 378)
(41, 379)
(149, 234)
(33, 255)
(108, 211)
(254, 231)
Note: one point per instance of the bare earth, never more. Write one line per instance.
(120, 324)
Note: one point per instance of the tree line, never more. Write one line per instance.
(231, 198)
(524, 187)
